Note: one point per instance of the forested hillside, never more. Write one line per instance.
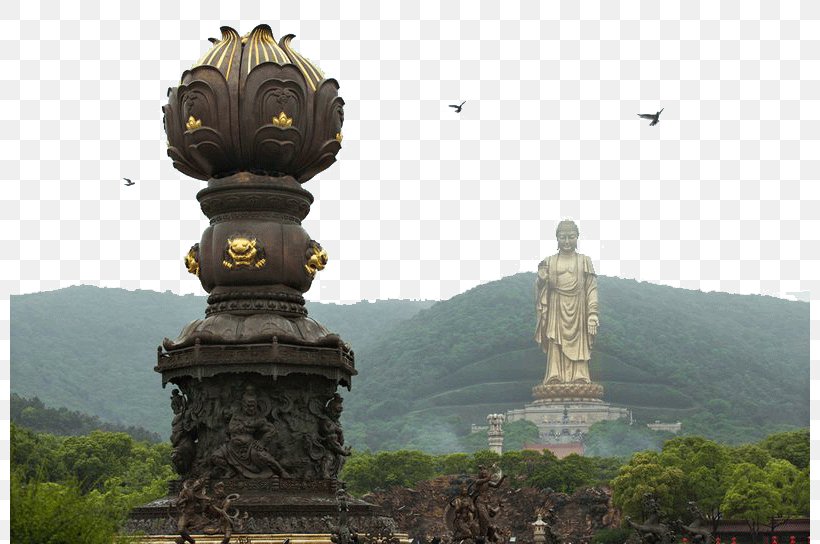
(730, 367)
(93, 349)
(36, 416)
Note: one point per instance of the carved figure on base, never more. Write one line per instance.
(332, 438)
(469, 515)
(190, 503)
(245, 452)
(183, 438)
(484, 511)
(464, 520)
(201, 513)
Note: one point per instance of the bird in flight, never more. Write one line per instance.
(128, 182)
(458, 108)
(655, 118)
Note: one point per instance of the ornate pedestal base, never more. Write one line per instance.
(308, 510)
(568, 392)
(269, 538)
(256, 424)
(565, 412)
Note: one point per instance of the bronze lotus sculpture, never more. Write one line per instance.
(253, 105)
(255, 119)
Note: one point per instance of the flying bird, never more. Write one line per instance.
(128, 182)
(655, 118)
(458, 108)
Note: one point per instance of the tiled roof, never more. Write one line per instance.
(796, 525)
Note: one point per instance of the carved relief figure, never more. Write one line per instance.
(567, 309)
(246, 452)
(192, 260)
(243, 251)
(219, 510)
(316, 258)
(464, 517)
(484, 512)
(183, 438)
(200, 513)
(331, 432)
(328, 446)
(190, 504)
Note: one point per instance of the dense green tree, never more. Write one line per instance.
(645, 473)
(704, 464)
(751, 496)
(485, 458)
(750, 453)
(519, 433)
(367, 472)
(790, 483)
(793, 446)
(523, 463)
(79, 489)
(620, 439)
(34, 415)
(453, 463)
(545, 472)
(356, 473)
(58, 513)
(605, 469)
(35, 455)
(612, 536)
(97, 456)
(744, 482)
(575, 471)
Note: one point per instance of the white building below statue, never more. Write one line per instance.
(565, 422)
(668, 427)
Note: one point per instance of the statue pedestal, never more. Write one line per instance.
(293, 400)
(560, 392)
(563, 419)
(267, 509)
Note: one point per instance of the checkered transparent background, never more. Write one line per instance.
(423, 202)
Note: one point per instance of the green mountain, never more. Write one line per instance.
(93, 350)
(730, 367)
(36, 416)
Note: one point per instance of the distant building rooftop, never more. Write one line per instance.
(669, 427)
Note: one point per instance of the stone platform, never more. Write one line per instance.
(567, 420)
(273, 507)
(239, 538)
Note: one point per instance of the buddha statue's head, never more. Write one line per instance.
(566, 234)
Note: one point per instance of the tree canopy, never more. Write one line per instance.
(745, 482)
